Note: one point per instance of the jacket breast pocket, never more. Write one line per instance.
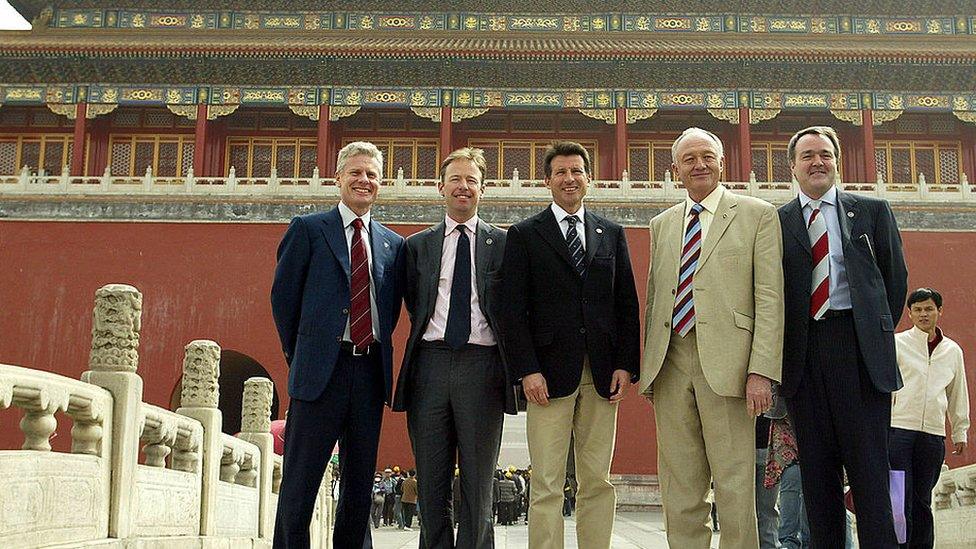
(743, 321)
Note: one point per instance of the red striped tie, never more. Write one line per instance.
(820, 283)
(361, 321)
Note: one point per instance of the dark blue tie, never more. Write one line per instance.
(459, 315)
(575, 245)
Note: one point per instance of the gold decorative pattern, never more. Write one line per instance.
(880, 117)
(968, 116)
(761, 115)
(634, 115)
(216, 111)
(337, 112)
(71, 111)
(459, 114)
(729, 115)
(431, 113)
(186, 111)
(607, 115)
(99, 109)
(308, 111)
(847, 115)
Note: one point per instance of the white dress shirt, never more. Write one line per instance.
(840, 291)
(481, 333)
(347, 217)
(709, 205)
(561, 216)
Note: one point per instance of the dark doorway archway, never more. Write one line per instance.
(235, 369)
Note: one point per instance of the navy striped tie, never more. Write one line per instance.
(575, 245)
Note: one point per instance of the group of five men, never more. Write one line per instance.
(551, 305)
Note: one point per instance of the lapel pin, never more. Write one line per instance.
(386, 244)
(599, 230)
(725, 216)
(489, 241)
(850, 214)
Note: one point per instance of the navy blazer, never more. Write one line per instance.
(551, 318)
(878, 281)
(310, 297)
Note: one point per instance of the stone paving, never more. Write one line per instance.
(632, 530)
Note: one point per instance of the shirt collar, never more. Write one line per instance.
(709, 203)
(829, 197)
(348, 215)
(450, 225)
(562, 214)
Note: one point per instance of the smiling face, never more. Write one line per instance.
(359, 183)
(698, 164)
(925, 315)
(461, 188)
(814, 164)
(568, 182)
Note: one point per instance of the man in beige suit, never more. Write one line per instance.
(713, 344)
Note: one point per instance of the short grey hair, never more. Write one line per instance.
(692, 132)
(357, 148)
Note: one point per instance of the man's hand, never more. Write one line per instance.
(535, 389)
(619, 382)
(958, 448)
(759, 394)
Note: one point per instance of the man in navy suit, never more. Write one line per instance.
(845, 284)
(336, 300)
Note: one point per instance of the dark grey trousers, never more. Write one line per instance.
(454, 416)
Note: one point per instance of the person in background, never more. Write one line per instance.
(931, 365)
(409, 498)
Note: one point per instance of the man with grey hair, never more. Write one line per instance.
(336, 300)
(713, 344)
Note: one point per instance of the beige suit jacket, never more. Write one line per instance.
(738, 293)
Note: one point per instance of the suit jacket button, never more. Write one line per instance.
(672, 291)
(339, 339)
(667, 324)
(582, 330)
(345, 311)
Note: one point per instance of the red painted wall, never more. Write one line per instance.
(212, 281)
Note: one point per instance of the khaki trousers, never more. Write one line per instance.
(703, 436)
(592, 420)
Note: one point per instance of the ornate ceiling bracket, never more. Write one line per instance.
(880, 117)
(855, 117)
(729, 115)
(966, 116)
(308, 111)
(335, 113)
(98, 109)
(607, 115)
(635, 115)
(430, 113)
(216, 111)
(460, 113)
(186, 111)
(71, 111)
(761, 115)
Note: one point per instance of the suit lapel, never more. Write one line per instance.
(546, 224)
(335, 237)
(434, 244)
(720, 222)
(382, 249)
(793, 222)
(594, 236)
(846, 216)
(673, 234)
(483, 248)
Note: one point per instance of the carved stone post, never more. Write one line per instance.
(256, 429)
(201, 368)
(112, 364)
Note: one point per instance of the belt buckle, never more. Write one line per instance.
(364, 352)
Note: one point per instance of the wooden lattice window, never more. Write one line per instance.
(503, 156)
(255, 156)
(49, 153)
(648, 160)
(418, 157)
(168, 155)
(901, 162)
(771, 163)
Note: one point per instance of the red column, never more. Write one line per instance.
(447, 128)
(620, 146)
(200, 142)
(78, 141)
(867, 137)
(745, 145)
(322, 143)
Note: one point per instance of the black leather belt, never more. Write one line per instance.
(836, 313)
(359, 351)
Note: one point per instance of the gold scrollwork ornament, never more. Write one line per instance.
(635, 115)
(848, 115)
(338, 112)
(430, 113)
(186, 111)
(729, 115)
(459, 114)
(761, 115)
(308, 111)
(607, 115)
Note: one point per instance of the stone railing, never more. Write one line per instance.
(137, 474)
(402, 188)
(954, 508)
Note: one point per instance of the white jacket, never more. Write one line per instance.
(933, 386)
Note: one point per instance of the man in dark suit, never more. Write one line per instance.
(452, 383)
(336, 300)
(845, 283)
(570, 332)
